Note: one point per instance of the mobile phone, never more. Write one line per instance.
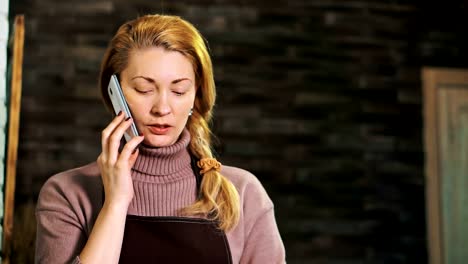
(120, 104)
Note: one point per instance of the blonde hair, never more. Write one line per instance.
(218, 199)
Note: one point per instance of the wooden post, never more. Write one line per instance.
(13, 135)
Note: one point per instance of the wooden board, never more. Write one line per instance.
(13, 134)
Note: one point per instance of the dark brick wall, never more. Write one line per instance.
(320, 99)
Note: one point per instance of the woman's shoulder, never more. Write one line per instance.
(249, 187)
(74, 178)
(71, 186)
(238, 176)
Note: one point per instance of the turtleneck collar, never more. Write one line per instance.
(165, 160)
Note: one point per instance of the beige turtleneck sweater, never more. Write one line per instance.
(164, 182)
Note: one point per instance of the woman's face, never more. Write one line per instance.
(159, 86)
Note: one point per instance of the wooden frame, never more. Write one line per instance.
(13, 135)
(432, 78)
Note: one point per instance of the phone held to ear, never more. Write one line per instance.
(120, 104)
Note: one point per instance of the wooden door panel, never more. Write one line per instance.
(453, 125)
(446, 146)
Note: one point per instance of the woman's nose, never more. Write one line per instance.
(161, 105)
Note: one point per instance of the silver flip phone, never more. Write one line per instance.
(120, 104)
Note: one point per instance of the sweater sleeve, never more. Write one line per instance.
(60, 234)
(256, 239)
(264, 243)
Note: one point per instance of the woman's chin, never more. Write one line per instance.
(154, 141)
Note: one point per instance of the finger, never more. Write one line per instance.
(130, 150)
(107, 132)
(99, 161)
(116, 137)
(133, 157)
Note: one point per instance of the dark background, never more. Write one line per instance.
(321, 100)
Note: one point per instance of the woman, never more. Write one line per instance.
(162, 197)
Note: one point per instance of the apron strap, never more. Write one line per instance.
(196, 171)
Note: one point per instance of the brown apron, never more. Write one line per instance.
(174, 239)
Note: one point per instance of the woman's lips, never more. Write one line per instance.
(158, 129)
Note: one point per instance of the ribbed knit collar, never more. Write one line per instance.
(166, 160)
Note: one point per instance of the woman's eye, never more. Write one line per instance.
(143, 91)
(178, 93)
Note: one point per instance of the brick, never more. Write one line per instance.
(310, 98)
(267, 126)
(78, 7)
(331, 226)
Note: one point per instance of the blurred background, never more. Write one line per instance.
(320, 99)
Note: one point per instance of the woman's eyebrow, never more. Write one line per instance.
(153, 81)
(143, 77)
(181, 79)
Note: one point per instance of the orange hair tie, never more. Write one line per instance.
(208, 164)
